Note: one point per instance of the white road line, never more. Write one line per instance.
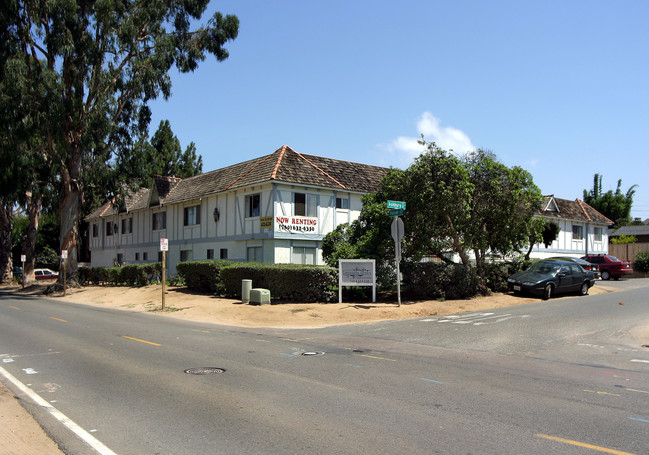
(640, 361)
(58, 415)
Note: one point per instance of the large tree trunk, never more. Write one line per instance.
(34, 205)
(456, 241)
(69, 211)
(6, 226)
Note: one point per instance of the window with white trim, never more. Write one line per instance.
(127, 225)
(186, 255)
(254, 254)
(598, 234)
(342, 203)
(303, 255)
(253, 205)
(192, 215)
(159, 221)
(305, 204)
(577, 232)
(95, 230)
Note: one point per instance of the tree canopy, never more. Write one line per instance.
(472, 206)
(78, 74)
(616, 206)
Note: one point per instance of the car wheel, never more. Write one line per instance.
(584, 288)
(547, 292)
(606, 275)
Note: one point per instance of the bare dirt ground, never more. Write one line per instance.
(21, 435)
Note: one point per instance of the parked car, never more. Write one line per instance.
(584, 264)
(46, 274)
(609, 266)
(549, 277)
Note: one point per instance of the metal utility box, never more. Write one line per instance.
(259, 296)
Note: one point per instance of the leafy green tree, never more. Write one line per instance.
(86, 70)
(616, 206)
(541, 230)
(162, 155)
(455, 205)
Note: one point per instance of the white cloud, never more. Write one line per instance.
(448, 138)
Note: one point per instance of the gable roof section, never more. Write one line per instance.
(134, 201)
(571, 210)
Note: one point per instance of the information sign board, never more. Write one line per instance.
(356, 272)
(164, 244)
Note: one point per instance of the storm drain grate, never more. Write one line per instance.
(312, 353)
(205, 370)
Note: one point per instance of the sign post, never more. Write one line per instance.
(396, 209)
(164, 247)
(23, 258)
(64, 256)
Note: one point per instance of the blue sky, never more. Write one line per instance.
(560, 88)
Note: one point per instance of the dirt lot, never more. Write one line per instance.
(21, 435)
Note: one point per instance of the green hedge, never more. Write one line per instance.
(292, 282)
(436, 280)
(129, 275)
(202, 276)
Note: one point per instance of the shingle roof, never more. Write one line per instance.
(632, 230)
(284, 165)
(571, 210)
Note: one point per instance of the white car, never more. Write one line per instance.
(46, 274)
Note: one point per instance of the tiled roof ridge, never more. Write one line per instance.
(318, 168)
(583, 209)
(282, 152)
(140, 194)
(249, 171)
(583, 203)
(167, 177)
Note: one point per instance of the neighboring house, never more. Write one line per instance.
(273, 209)
(640, 232)
(583, 229)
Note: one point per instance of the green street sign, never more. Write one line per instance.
(396, 205)
(395, 212)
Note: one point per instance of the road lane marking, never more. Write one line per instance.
(431, 380)
(602, 393)
(639, 420)
(375, 357)
(57, 319)
(636, 390)
(584, 445)
(14, 307)
(141, 341)
(58, 415)
(639, 361)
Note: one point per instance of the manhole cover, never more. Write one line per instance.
(312, 353)
(205, 370)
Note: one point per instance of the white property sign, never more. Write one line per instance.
(164, 244)
(296, 224)
(356, 272)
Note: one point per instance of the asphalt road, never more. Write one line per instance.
(568, 376)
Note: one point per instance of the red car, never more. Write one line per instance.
(610, 266)
(46, 274)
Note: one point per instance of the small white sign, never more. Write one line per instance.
(23, 258)
(164, 244)
(356, 272)
(64, 254)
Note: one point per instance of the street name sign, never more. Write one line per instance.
(396, 205)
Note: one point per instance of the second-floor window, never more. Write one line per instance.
(598, 234)
(109, 228)
(192, 215)
(253, 205)
(577, 232)
(342, 203)
(305, 204)
(95, 230)
(127, 225)
(159, 221)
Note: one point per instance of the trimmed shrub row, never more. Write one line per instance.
(202, 276)
(292, 282)
(436, 280)
(129, 275)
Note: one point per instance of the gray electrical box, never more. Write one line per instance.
(259, 296)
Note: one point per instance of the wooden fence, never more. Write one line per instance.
(628, 251)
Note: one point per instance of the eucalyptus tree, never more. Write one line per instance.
(88, 68)
(614, 205)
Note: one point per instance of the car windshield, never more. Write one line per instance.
(546, 268)
(614, 259)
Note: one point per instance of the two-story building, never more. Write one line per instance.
(274, 209)
(583, 230)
